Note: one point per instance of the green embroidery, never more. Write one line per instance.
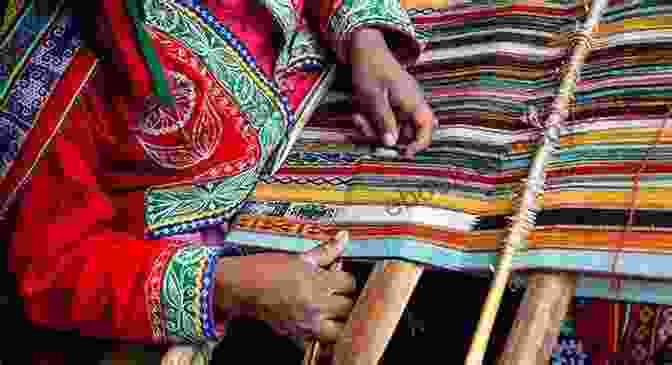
(284, 15)
(303, 48)
(568, 327)
(300, 45)
(172, 205)
(176, 208)
(181, 293)
(253, 95)
(356, 13)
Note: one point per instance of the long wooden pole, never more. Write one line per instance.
(537, 325)
(376, 313)
(528, 203)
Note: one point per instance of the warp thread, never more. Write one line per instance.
(617, 283)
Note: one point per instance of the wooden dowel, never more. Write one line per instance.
(376, 313)
(479, 342)
(537, 325)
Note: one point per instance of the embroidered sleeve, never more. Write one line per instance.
(180, 295)
(80, 265)
(338, 19)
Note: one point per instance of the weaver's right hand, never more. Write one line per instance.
(295, 294)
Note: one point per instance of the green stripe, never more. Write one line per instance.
(160, 84)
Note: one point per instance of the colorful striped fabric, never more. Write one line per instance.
(491, 72)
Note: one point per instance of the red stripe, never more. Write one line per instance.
(613, 168)
(117, 32)
(508, 11)
(382, 170)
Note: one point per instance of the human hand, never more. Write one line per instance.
(294, 294)
(381, 85)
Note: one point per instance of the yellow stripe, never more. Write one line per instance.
(660, 23)
(10, 17)
(611, 136)
(648, 23)
(648, 198)
(360, 195)
(618, 136)
(654, 198)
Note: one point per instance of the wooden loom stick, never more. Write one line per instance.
(527, 205)
(537, 325)
(376, 313)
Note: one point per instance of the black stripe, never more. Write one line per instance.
(586, 217)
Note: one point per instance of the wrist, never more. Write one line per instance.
(365, 40)
(228, 301)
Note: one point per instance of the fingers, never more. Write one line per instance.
(337, 307)
(179, 355)
(412, 102)
(375, 102)
(424, 121)
(407, 133)
(326, 354)
(383, 115)
(327, 252)
(364, 125)
(340, 282)
(329, 331)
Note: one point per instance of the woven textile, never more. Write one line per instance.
(491, 72)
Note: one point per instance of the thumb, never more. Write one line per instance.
(327, 252)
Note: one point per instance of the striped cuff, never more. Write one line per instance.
(181, 293)
(386, 15)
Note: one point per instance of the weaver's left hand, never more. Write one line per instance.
(390, 104)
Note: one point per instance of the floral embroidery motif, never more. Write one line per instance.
(153, 293)
(185, 294)
(226, 57)
(185, 207)
(160, 119)
(194, 126)
(181, 208)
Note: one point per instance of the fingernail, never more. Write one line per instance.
(342, 237)
(390, 139)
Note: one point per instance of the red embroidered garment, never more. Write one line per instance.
(102, 166)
